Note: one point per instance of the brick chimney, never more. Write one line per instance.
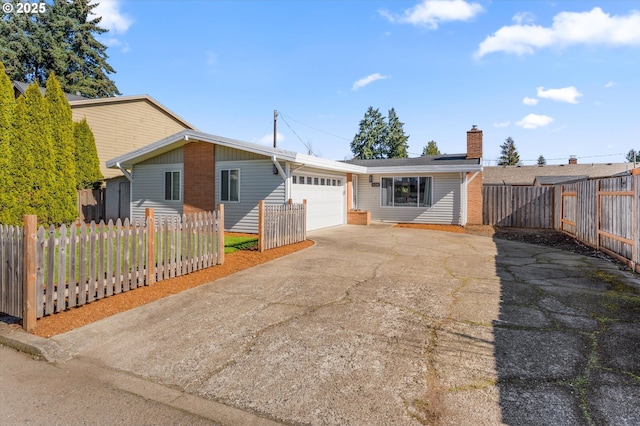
(474, 143)
(474, 179)
(573, 159)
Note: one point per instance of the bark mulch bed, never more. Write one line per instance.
(77, 317)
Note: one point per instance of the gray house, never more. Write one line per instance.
(192, 171)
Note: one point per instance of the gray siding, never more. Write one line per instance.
(257, 182)
(446, 208)
(224, 153)
(171, 157)
(148, 189)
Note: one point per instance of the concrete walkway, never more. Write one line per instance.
(382, 325)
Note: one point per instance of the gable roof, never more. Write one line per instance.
(19, 87)
(445, 164)
(526, 175)
(85, 102)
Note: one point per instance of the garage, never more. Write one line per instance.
(325, 195)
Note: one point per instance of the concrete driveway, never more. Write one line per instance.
(383, 325)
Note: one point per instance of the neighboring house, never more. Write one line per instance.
(120, 124)
(192, 171)
(19, 87)
(552, 174)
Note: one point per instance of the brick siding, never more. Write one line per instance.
(199, 177)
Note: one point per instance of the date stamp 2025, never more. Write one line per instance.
(24, 7)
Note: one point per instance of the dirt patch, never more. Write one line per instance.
(77, 317)
(539, 236)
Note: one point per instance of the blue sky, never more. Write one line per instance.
(560, 77)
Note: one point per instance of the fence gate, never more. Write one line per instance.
(568, 204)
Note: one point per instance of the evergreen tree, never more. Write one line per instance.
(20, 50)
(509, 154)
(61, 40)
(8, 214)
(65, 199)
(397, 145)
(430, 149)
(370, 141)
(34, 148)
(542, 161)
(633, 156)
(88, 174)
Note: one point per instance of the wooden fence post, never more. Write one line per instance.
(220, 234)
(304, 202)
(151, 246)
(29, 273)
(261, 226)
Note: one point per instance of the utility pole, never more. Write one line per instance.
(275, 127)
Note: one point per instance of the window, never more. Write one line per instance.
(230, 185)
(321, 181)
(315, 181)
(309, 182)
(295, 179)
(172, 186)
(406, 192)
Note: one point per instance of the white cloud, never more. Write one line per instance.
(569, 28)
(610, 84)
(112, 18)
(367, 80)
(268, 139)
(430, 13)
(530, 101)
(503, 124)
(523, 17)
(533, 121)
(566, 94)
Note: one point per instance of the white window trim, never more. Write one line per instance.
(239, 180)
(406, 207)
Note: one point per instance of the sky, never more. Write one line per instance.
(560, 78)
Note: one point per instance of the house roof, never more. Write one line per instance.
(85, 102)
(19, 87)
(526, 175)
(553, 180)
(448, 164)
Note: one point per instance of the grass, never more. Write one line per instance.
(234, 243)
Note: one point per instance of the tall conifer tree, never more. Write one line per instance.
(397, 145)
(88, 174)
(370, 141)
(34, 148)
(64, 171)
(62, 40)
(7, 118)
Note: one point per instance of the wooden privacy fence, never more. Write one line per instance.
(46, 271)
(518, 206)
(91, 205)
(279, 225)
(603, 213)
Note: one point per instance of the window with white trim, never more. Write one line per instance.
(172, 186)
(230, 185)
(401, 191)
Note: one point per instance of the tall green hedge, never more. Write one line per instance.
(88, 174)
(44, 156)
(64, 204)
(7, 163)
(35, 156)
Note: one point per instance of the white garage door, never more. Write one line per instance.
(325, 195)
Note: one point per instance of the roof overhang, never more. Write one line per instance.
(184, 137)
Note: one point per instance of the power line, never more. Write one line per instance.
(308, 146)
(316, 129)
